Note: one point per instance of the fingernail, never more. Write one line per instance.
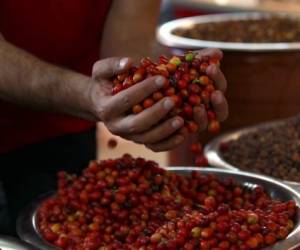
(176, 123)
(160, 81)
(123, 63)
(168, 104)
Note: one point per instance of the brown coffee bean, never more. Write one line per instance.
(266, 30)
(273, 151)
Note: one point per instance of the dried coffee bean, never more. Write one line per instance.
(273, 151)
(267, 30)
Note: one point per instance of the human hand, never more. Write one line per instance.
(218, 100)
(145, 127)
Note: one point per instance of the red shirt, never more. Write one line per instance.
(62, 32)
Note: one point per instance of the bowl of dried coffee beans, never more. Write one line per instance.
(234, 31)
(271, 149)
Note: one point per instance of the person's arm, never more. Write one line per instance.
(28, 81)
(130, 29)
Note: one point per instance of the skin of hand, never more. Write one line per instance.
(145, 127)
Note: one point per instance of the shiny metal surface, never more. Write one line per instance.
(221, 6)
(27, 227)
(27, 223)
(164, 33)
(10, 243)
(214, 156)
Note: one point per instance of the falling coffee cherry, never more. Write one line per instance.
(112, 143)
(196, 148)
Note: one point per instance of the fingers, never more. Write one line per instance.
(134, 124)
(126, 99)
(220, 105)
(217, 76)
(159, 132)
(167, 144)
(109, 67)
(209, 52)
(200, 117)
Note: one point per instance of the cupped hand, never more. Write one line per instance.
(217, 97)
(145, 127)
(150, 127)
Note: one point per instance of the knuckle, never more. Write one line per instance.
(156, 150)
(168, 129)
(153, 148)
(159, 112)
(105, 112)
(136, 138)
(113, 129)
(144, 139)
(150, 139)
(149, 85)
(126, 101)
(138, 142)
(96, 67)
(115, 62)
(157, 116)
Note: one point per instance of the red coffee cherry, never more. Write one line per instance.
(131, 203)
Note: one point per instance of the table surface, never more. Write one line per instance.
(292, 6)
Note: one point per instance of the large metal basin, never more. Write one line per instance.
(263, 79)
(28, 229)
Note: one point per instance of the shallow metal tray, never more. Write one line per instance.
(164, 33)
(28, 230)
(214, 155)
(10, 243)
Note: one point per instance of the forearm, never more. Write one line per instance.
(27, 81)
(130, 29)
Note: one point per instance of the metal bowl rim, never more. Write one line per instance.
(214, 156)
(164, 33)
(14, 243)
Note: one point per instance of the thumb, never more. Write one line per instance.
(109, 67)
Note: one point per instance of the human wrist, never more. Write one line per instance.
(68, 92)
(83, 103)
(96, 94)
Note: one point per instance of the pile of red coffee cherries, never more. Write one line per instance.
(186, 82)
(131, 203)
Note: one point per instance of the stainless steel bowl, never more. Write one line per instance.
(10, 243)
(164, 33)
(214, 155)
(28, 230)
